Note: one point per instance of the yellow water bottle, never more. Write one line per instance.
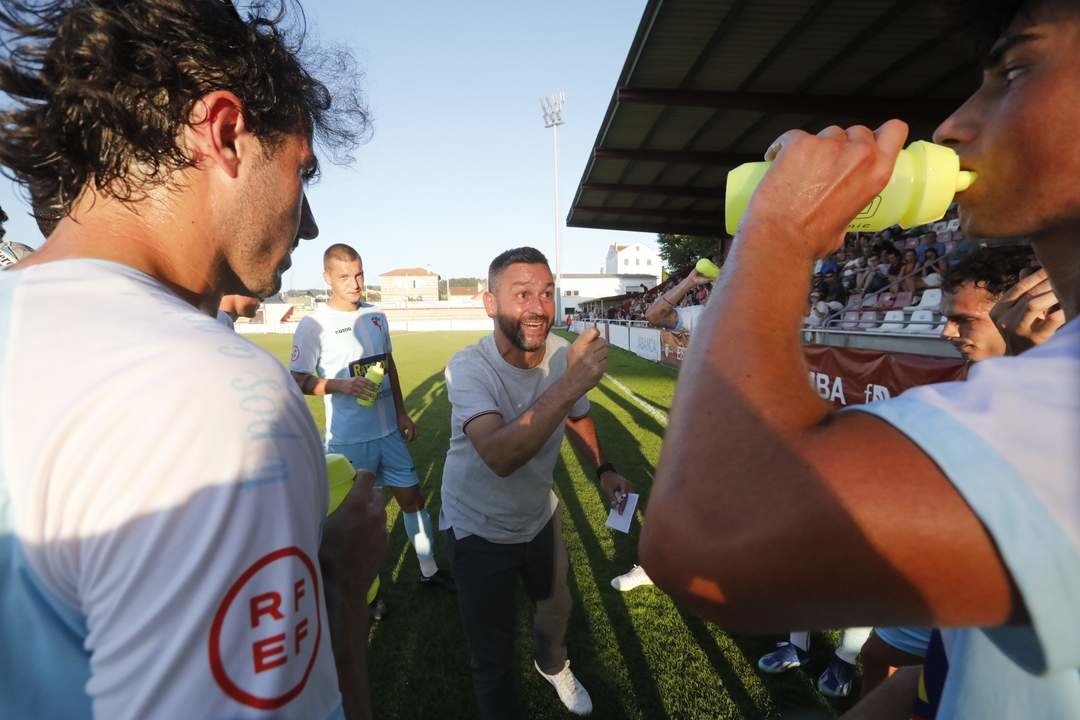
(374, 374)
(707, 268)
(924, 181)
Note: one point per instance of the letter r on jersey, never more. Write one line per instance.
(266, 604)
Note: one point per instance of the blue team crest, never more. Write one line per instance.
(376, 322)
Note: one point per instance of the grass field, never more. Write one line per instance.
(639, 654)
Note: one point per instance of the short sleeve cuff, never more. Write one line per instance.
(1039, 556)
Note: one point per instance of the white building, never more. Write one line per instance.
(409, 284)
(636, 259)
(578, 288)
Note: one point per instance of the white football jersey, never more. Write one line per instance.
(162, 490)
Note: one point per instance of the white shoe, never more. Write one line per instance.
(628, 581)
(572, 693)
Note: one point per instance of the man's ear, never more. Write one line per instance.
(217, 135)
(489, 304)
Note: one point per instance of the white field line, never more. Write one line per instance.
(657, 415)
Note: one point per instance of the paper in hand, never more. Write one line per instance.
(621, 521)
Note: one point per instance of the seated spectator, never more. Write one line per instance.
(908, 271)
(832, 288)
(934, 263)
(929, 241)
(863, 277)
(888, 271)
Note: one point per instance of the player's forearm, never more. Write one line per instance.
(740, 414)
(347, 614)
(312, 385)
(583, 437)
(517, 442)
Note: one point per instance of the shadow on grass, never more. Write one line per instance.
(646, 694)
(417, 663)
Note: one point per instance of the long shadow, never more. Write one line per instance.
(644, 420)
(422, 623)
(793, 693)
(646, 693)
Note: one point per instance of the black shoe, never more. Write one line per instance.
(441, 579)
(377, 610)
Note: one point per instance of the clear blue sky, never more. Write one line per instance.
(460, 165)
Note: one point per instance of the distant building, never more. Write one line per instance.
(405, 284)
(578, 287)
(470, 292)
(636, 259)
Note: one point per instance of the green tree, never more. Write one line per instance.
(682, 251)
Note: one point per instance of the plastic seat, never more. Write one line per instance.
(868, 320)
(854, 302)
(902, 300)
(922, 323)
(930, 300)
(885, 300)
(870, 301)
(850, 322)
(894, 322)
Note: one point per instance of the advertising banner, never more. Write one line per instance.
(645, 342)
(848, 376)
(672, 347)
(619, 336)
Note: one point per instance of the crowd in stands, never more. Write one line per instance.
(889, 281)
(632, 307)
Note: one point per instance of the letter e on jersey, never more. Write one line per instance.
(265, 636)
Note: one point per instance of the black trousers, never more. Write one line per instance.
(486, 574)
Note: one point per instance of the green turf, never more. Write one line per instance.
(639, 654)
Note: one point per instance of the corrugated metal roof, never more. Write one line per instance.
(709, 84)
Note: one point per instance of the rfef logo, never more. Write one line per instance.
(265, 636)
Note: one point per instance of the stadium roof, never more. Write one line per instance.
(709, 84)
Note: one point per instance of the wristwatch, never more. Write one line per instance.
(603, 469)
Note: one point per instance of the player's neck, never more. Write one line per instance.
(149, 239)
(1059, 254)
(343, 305)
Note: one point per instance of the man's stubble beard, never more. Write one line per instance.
(511, 329)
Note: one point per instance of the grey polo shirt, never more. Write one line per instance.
(476, 501)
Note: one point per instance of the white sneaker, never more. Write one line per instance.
(572, 693)
(628, 581)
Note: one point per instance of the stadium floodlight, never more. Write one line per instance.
(552, 108)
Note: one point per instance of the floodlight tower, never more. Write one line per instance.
(552, 107)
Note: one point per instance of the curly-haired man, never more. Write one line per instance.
(162, 484)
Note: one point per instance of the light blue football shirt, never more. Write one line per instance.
(333, 343)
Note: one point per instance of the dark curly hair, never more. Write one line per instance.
(993, 269)
(99, 90)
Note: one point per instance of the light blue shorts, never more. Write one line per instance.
(387, 457)
(913, 641)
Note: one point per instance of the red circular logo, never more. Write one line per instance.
(265, 636)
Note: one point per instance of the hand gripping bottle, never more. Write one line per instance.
(374, 374)
(340, 476)
(923, 183)
(708, 268)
